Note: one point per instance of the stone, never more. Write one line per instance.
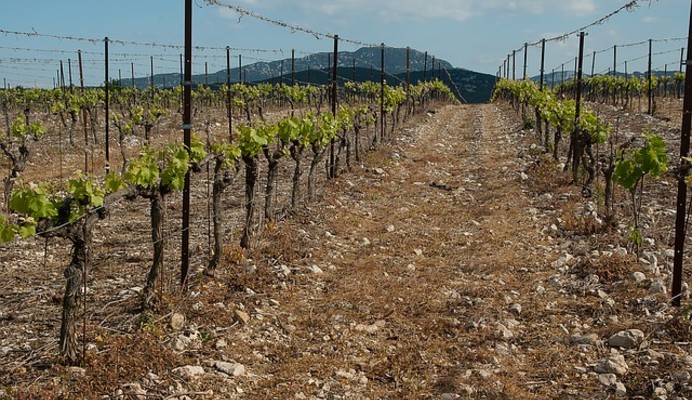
(449, 396)
(628, 339)
(378, 171)
(588, 339)
(658, 287)
(620, 389)
(220, 344)
(315, 269)
(134, 390)
(230, 369)
(241, 316)
(177, 321)
(638, 277)
(365, 242)
(502, 332)
(607, 379)
(523, 176)
(390, 228)
(539, 290)
(411, 268)
(682, 376)
(670, 253)
(615, 364)
(189, 371)
(76, 371)
(418, 252)
(515, 308)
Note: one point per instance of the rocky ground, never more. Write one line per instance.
(456, 262)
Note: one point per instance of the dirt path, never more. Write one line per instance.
(422, 257)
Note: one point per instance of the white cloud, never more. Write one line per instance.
(650, 20)
(417, 10)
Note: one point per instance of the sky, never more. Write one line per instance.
(472, 34)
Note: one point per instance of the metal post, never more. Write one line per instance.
(62, 77)
(84, 114)
(108, 163)
(680, 217)
(577, 108)
(615, 60)
(432, 68)
(542, 63)
(593, 63)
(69, 71)
(293, 67)
(187, 126)
(151, 74)
(650, 92)
(408, 68)
(425, 68)
(132, 69)
(526, 53)
(240, 68)
(353, 70)
(382, 91)
(682, 58)
(332, 152)
(514, 64)
(228, 95)
(206, 74)
(281, 73)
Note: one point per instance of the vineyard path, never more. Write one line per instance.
(380, 310)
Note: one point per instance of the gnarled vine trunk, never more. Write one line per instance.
(157, 216)
(251, 173)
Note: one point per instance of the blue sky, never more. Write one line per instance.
(472, 34)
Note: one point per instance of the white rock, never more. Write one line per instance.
(177, 321)
(628, 339)
(523, 176)
(189, 371)
(540, 290)
(378, 171)
(230, 369)
(220, 344)
(658, 287)
(607, 379)
(315, 269)
(638, 277)
(515, 308)
(620, 389)
(670, 253)
(390, 228)
(615, 364)
(365, 242)
(418, 252)
(411, 268)
(589, 339)
(502, 332)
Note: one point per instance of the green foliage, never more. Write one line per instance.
(143, 171)
(85, 191)
(113, 183)
(7, 230)
(649, 159)
(197, 149)
(598, 131)
(176, 160)
(33, 201)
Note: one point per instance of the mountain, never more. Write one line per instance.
(474, 87)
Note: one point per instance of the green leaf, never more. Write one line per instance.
(27, 230)
(33, 202)
(6, 231)
(113, 183)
